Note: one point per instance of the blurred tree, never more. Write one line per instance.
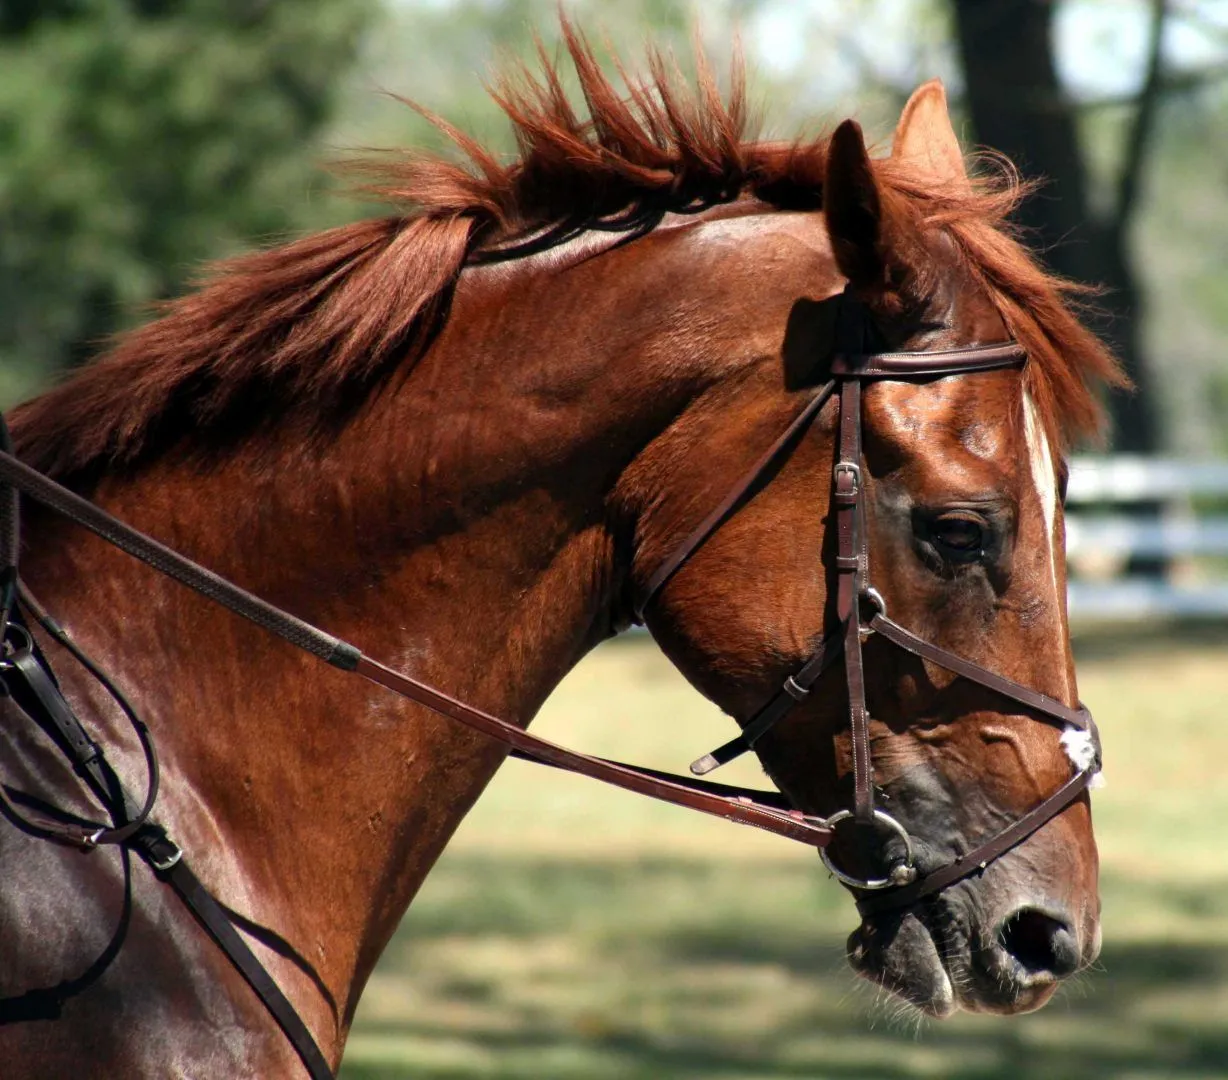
(138, 137)
(444, 55)
(1019, 107)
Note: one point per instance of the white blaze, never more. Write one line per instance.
(1076, 743)
(1044, 476)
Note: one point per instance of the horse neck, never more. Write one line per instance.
(456, 529)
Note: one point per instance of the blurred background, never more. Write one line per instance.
(571, 931)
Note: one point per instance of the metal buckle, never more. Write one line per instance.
(170, 860)
(876, 598)
(794, 689)
(903, 874)
(10, 650)
(852, 471)
(90, 840)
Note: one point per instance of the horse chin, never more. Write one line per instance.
(907, 958)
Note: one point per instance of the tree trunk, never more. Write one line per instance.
(1018, 107)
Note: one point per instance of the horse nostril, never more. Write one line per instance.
(1040, 943)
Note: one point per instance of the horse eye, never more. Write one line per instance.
(959, 535)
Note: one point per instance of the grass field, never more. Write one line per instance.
(574, 931)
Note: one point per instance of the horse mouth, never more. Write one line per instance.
(903, 957)
(936, 967)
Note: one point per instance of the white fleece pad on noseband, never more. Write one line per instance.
(1081, 750)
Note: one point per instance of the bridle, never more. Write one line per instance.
(26, 677)
(856, 596)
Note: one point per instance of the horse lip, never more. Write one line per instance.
(931, 961)
(925, 983)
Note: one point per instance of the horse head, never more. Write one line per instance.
(960, 479)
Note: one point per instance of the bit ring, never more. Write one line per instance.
(902, 874)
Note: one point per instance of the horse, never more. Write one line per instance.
(469, 435)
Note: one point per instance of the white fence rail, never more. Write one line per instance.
(1128, 477)
(1101, 537)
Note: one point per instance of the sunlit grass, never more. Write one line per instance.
(574, 931)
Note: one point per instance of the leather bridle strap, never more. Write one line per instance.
(928, 365)
(850, 579)
(962, 866)
(852, 586)
(851, 559)
(1046, 708)
(742, 490)
(1050, 708)
(737, 807)
(794, 689)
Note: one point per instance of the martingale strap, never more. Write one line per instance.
(26, 677)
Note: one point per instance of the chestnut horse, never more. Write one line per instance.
(464, 437)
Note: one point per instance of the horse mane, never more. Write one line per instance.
(307, 332)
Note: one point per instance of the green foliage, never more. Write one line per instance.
(139, 137)
(443, 56)
(1179, 248)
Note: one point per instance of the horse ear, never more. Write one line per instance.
(925, 139)
(853, 209)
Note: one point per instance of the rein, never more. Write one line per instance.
(27, 677)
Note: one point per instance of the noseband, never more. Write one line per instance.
(861, 612)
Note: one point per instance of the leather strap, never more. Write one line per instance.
(912, 365)
(80, 749)
(56, 497)
(773, 799)
(167, 861)
(745, 809)
(680, 791)
(794, 689)
(980, 857)
(852, 578)
(1050, 708)
(147, 840)
(737, 496)
(850, 561)
(86, 757)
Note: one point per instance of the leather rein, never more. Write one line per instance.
(28, 680)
